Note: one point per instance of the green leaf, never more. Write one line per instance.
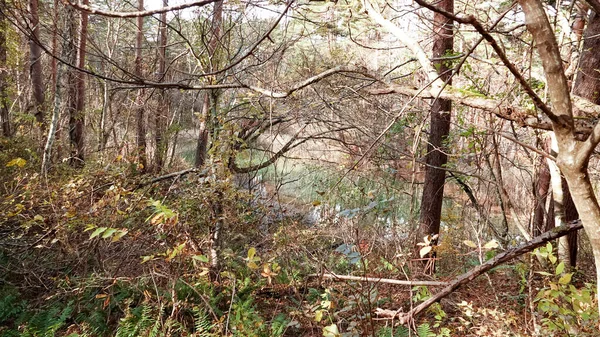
(97, 232)
(552, 258)
(201, 258)
(109, 232)
(565, 279)
(560, 268)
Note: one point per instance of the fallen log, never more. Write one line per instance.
(406, 317)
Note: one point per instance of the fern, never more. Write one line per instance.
(203, 324)
(279, 325)
(140, 323)
(400, 331)
(424, 330)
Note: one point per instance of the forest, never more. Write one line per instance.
(384, 168)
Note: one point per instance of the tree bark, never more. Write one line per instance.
(571, 214)
(70, 55)
(436, 158)
(205, 114)
(77, 121)
(47, 156)
(541, 190)
(4, 110)
(139, 100)
(35, 63)
(202, 144)
(587, 80)
(160, 117)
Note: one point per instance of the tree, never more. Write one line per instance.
(441, 110)
(4, 106)
(587, 79)
(139, 100)
(161, 113)
(76, 90)
(207, 104)
(574, 154)
(35, 64)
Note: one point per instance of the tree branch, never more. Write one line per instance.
(111, 14)
(471, 20)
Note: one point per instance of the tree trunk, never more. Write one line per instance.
(560, 196)
(139, 100)
(47, 156)
(586, 85)
(541, 190)
(4, 111)
(161, 113)
(205, 115)
(436, 158)
(202, 145)
(78, 124)
(574, 155)
(35, 63)
(70, 55)
(587, 81)
(571, 214)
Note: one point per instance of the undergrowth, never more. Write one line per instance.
(103, 252)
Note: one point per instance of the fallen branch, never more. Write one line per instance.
(405, 318)
(378, 280)
(177, 174)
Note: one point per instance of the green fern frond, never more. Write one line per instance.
(203, 324)
(424, 330)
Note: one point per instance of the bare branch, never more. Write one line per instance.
(471, 20)
(111, 14)
(436, 83)
(300, 85)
